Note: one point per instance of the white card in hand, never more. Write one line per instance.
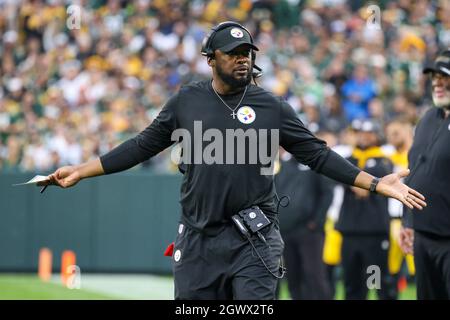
(35, 180)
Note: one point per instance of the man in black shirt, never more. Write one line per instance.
(211, 259)
(364, 220)
(302, 227)
(427, 233)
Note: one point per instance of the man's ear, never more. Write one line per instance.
(211, 61)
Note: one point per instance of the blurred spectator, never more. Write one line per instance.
(376, 111)
(333, 117)
(12, 154)
(36, 155)
(357, 93)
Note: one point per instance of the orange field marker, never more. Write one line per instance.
(68, 259)
(45, 264)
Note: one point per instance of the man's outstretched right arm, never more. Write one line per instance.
(155, 138)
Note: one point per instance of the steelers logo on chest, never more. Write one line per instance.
(246, 115)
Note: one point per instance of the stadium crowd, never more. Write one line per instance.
(69, 93)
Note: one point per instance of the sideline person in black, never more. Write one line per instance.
(302, 227)
(211, 260)
(427, 234)
(364, 220)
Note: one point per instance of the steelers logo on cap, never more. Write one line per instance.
(246, 115)
(236, 33)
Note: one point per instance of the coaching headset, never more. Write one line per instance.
(208, 51)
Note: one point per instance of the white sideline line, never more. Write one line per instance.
(124, 286)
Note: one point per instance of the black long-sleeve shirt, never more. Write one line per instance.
(212, 193)
(429, 161)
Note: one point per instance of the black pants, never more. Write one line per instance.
(333, 276)
(226, 266)
(359, 252)
(432, 260)
(306, 271)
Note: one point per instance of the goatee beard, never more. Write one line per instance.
(232, 81)
(441, 106)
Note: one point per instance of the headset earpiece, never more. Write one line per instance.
(205, 45)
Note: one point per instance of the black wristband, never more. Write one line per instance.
(373, 184)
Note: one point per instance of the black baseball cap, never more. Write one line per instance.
(366, 125)
(231, 37)
(441, 64)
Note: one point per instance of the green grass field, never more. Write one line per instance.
(408, 294)
(30, 287)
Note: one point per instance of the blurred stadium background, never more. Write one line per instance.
(70, 94)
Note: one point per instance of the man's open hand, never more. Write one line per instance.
(392, 186)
